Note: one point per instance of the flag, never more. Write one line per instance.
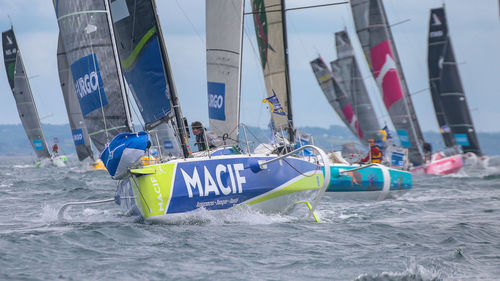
(386, 129)
(445, 129)
(274, 104)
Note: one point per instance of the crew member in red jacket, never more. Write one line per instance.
(375, 155)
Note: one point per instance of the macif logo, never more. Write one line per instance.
(436, 20)
(216, 100)
(88, 84)
(78, 137)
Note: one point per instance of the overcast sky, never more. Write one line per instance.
(474, 28)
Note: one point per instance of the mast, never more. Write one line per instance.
(291, 136)
(173, 92)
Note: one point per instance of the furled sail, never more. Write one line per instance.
(378, 45)
(86, 34)
(146, 68)
(270, 28)
(336, 96)
(347, 73)
(18, 80)
(224, 24)
(447, 92)
(76, 122)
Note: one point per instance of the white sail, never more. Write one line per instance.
(224, 23)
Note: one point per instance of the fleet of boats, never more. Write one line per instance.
(111, 53)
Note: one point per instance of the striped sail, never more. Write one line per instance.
(269, 21)
(224, 27)
(145, 64)
(336, 96)
(19, 84)
(448, 96)
(86, 35)
(378, 45)
(346, 70)
(76, 122)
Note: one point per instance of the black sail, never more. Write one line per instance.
(86, 34)
(18, 80)
(79, 131)
(448, 96)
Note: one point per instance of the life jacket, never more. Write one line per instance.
(376, 154)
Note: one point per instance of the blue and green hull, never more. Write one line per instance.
(221, 182)
(373, 183)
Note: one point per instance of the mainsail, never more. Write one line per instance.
(19, 84)
(378, 45)
(336, 96)
(76, 122)
(86, 34)
(447, 92)
(270, 28)
(224, 24)
(346, 70)
(146, 68)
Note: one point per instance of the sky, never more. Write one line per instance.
(474, 28)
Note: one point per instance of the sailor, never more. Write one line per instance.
(427, 147)
(203, 135)
(55, 149)
(375, 154)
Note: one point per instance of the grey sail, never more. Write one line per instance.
(270, 28)
(448, 95)
(378, 45)
(335, 96)
(346, 70)
(85, 31)
(146, 67)
(224, 33)
(19, 84)
(79, 132)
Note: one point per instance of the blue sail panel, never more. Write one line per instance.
(147, 81)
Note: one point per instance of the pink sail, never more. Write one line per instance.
(351, 119)
(385, 73)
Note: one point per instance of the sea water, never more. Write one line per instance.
(445, 228)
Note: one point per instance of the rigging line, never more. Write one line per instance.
(299, 37)
(257, 61)
(298, 8)
(190, 22)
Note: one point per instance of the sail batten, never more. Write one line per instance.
(378, 45)
(448, 97)
(19, 83)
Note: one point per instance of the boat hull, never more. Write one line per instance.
(219, 183)
(443, 166)
(375, 182)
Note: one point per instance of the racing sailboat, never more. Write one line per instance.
(176, 186)
(376, 39)
(448, 96)
(28, 113)
(373, 181)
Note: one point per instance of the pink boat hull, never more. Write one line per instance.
(443, 166)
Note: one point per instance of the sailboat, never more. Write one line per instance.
(447, 93)
(19, 83)
(79, 131)
(376, 39)
(349, 95)
(181, 185)
(372, 181)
